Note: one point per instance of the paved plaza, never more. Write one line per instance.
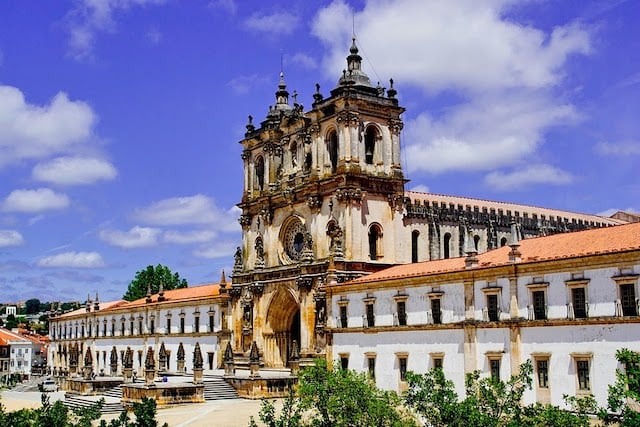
(224, 413)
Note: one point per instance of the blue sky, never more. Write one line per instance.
(120, 119)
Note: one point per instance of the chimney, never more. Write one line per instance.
(470, 249)
(514, 244)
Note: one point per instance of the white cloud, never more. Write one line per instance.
(154, 36)
(303, 60)
(198, 209)
(216, 250)
(627, 148)
(33, 201)
(10, 238)
(29, 131)
(503, 75)
(136, 237)
(421, 188)
(229, 6)
(469, 138)
(611, 211)
(188, 237)
(74, 170)
(90, 17)
(467, 44)
(533, 174)
(276, 23)
(72, 260)
(243, 84)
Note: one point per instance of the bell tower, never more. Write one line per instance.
(322, 200)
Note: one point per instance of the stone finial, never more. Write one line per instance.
(161, 292)
(295, 352)
(223, 280)
(162, 355)
(149, 361)
(148, 299)
(180, 352)
(514, 244)
(228, 353)
(197, 357)
(128, 358)
(113, 357)
(254, 354)
(471, 259)
(96, 303)
(88, 357)
(88, 304)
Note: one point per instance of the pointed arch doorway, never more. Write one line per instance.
(282, 328)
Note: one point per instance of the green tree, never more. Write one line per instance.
(623, 398)
(489, 402)
(32, 306)
(337, 398)
(12, 322)
(151, 277)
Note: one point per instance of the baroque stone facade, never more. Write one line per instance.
(324, 199)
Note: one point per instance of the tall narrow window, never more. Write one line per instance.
(332, 148)
(371, 367)
(197, 323)
(401, 307)
(259, 169)
(415, 234)
(582, 368)
(168, 325)
(211, 325)
(492, 307)
(343, 316)
(542, 372)
(152, 326)
(371, 317)
(402, 364)
(539, 305)
(113, 328)
(344, 361)
(476, 242)
(503, 242)
(436, 310)
(131, 327)
(370, 137)
(494, 366)
(375, 242)
(579, 301)
(182, 325)
(628, 299)
(447, 245)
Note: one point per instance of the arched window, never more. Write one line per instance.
(375, 242)
(370, 137)
(259, 168)
(447, 245)
(332, 148)
(476, 242)
(414, 245)
(503, 242)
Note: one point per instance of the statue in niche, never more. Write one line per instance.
(336, 243)
(259, 251)
(237, 258)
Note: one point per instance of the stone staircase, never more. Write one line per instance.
(73, 401)
(115, 392)
(216, 388)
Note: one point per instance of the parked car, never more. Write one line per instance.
(48, 385)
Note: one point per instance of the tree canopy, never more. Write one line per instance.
(150, 278)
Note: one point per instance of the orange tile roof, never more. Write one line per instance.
(173, 295)
(514, 207)
(6, 335)
(559, 246)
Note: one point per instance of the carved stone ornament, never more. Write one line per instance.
(88, 358)
(245, 220)
(237, 260)
(181, 352)
(149, 361)
(304, 283)
(395, 126)
(256, 288)
(349, 195)
(235, 291)
(314, 202)
(396, 201)
(254, 354)
(348, 118)
(246, 155)
(267, 215)
(314, 129)
(228, 353)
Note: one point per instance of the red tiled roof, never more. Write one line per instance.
(6, 335)
(559, 246)
(173, 295)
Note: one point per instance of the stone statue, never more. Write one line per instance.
(197, 357)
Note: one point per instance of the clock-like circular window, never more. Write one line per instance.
(293, 239)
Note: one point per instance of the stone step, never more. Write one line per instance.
(217, 389)
(78, 402)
